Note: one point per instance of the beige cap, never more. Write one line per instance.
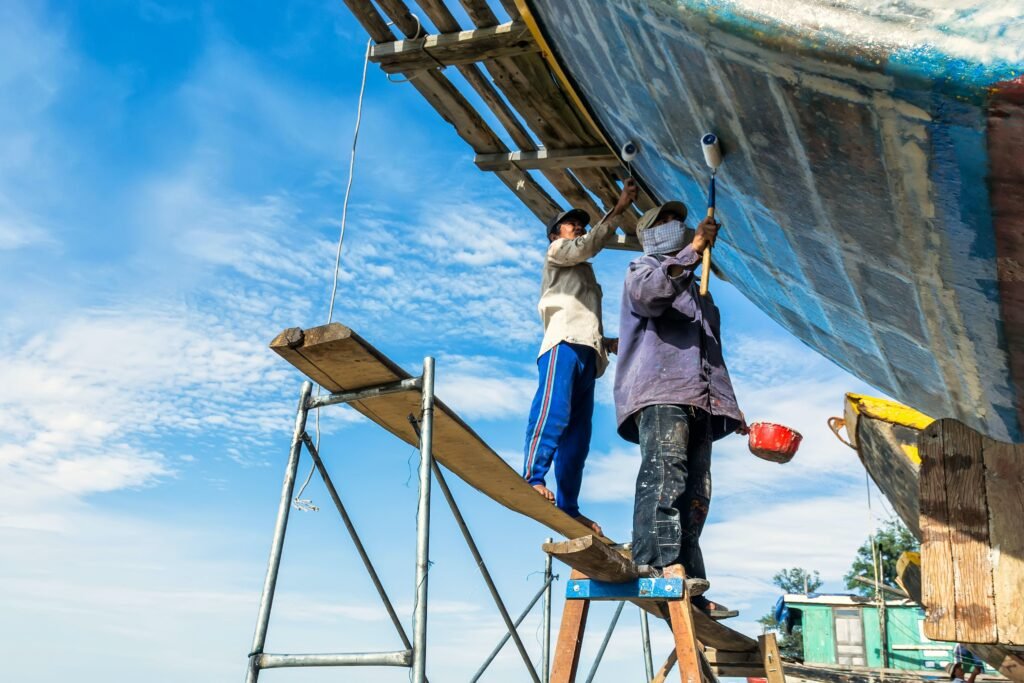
(652, 215)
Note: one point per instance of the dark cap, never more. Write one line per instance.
(578, 214)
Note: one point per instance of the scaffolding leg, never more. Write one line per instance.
(546, 673)
(645, 634)
(683, 631)
(419, 614)
(570, 637)
(277, 544)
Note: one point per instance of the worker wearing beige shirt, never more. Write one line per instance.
(572, 356)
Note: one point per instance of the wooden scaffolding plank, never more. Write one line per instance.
(340, 360)
(447, 49)
(592, 558)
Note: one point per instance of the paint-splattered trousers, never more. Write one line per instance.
(560, 421)
(673, 488)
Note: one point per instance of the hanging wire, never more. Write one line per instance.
(299, 502)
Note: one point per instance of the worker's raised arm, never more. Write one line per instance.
(651, 288)
(569, 252)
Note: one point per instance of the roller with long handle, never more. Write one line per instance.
(713, 158)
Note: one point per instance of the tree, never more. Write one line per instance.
(793, 580)
(797, 580)
(892, 539)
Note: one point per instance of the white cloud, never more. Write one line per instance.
(485, 387)
(611, 477)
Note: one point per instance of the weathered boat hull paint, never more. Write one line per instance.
(854, 195)
(885, 435)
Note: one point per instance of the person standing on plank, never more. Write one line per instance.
(673, 394)
(573, 354)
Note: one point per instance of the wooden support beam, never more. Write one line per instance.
(662, 673)
(570, 638)
(738, 671)
(453, 106)
(480, 12)
(771, 660)
(683, 632)
(972, 539)
(586, 157)
(448, 49)
(593, 558)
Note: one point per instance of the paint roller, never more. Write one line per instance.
(713, 158)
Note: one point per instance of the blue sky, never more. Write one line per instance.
(171, 179)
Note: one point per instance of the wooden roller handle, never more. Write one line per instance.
(705, 277)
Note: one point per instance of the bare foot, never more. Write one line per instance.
(586, 521)
(544, 491)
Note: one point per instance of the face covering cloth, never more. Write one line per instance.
(667, 238)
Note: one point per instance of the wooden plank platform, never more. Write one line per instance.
(338, 359)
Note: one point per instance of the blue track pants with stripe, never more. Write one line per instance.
(560, 421)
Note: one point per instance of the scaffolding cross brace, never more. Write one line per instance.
(413, 656)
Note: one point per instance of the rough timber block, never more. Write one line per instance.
(596, 560)
(972, 538)
(1002, 659)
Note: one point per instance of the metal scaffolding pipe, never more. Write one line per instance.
(419, 614)
(604, 643)
(311, 447)
(396, 658)
(505, 638)
(259, 638)
(443, 485)
(410, 384)
(546, 657)
(645, 634)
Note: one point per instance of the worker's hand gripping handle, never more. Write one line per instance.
(705, 277)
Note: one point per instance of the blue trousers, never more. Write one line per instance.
(560, 421)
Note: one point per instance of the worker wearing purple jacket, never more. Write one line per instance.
(673, 394)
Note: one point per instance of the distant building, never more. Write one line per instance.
(844, 630)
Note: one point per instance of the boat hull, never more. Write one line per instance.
(869, 197)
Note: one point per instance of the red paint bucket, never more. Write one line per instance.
(773, 442)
